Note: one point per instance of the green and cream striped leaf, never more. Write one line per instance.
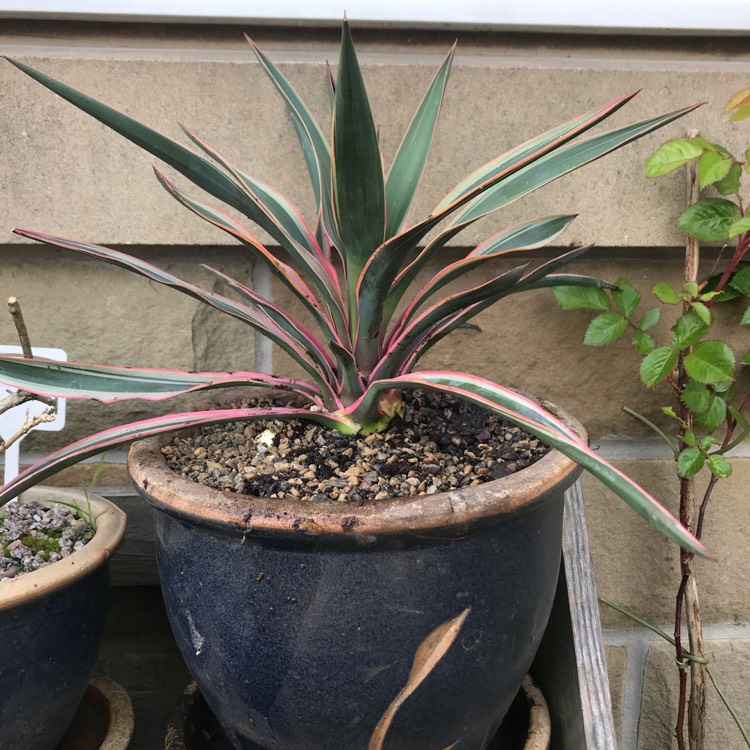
(237, 310)
(532, 417)
(411, 157)
(562, 161)
(198, 170)
(356, 167)
(109, 383)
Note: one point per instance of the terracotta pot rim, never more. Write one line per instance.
(190, 501)
(110, 527)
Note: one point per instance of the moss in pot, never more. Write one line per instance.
(294, 575)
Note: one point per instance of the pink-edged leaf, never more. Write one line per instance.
(293, 327)
(218, 218)
(237, 310)
(532, 417)
(276, 207)
(412, 333)
(314, 145)
(411, 157)
(300, 243)
(531, 150)
(404, 279)
(420, 346)
(522, 238)
(552, 165)
(117, 436)
(515, 174)
(109, 383)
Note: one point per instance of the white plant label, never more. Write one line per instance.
(13, 419)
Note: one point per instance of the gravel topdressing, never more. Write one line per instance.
(440, 444)
(33, 535)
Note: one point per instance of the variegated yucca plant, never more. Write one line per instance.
(351, 270)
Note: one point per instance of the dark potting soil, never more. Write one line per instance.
(34, 535)
(440, 444)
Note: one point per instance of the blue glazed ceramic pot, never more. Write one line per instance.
(301, 622)
(51, 627)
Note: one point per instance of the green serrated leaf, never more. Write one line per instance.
(741, 113)
(745, 317)
(644, 344)
(740, 281)
(691, 289)
(708, 146)
(696, 397)
(671, 155)
(713, 416)
(688, 330)
(712, 167)
(739, 417)
(690, 462)
(710, 362)
(726, 388)
(658, 364)
(719, 466)
(709, 219)
(730, 185)
(702, 312)
(708, 441)
(669, 411)
(581, 298)
(626, 298)
(605, 328)
(746, 358)
(689, 438)
(665, 293)
(740, 227)
(650, 319)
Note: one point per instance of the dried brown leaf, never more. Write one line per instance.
(432, 649)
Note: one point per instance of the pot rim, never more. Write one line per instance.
(190, 501)
(110, 527)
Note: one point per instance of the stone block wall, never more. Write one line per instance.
(63, 173)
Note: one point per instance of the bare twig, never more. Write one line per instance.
(23, 334)
(20, 396)
(48, 415)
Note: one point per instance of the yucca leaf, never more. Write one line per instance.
(357, 169)
(398, 288)
(401, 345)
(273, 204)
(415, 342)
(198, 170)
(532, 417)
(522, 238)
(288, 275)
(109, 383)
(411, 157)
(374, 282)
(532, 149)
(314, 144)
(560, 162)
(300, 242)
(124, 434)
(224, 304)
(293, 327)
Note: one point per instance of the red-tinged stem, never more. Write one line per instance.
(743, 244)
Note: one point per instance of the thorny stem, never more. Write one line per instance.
(687, 599)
